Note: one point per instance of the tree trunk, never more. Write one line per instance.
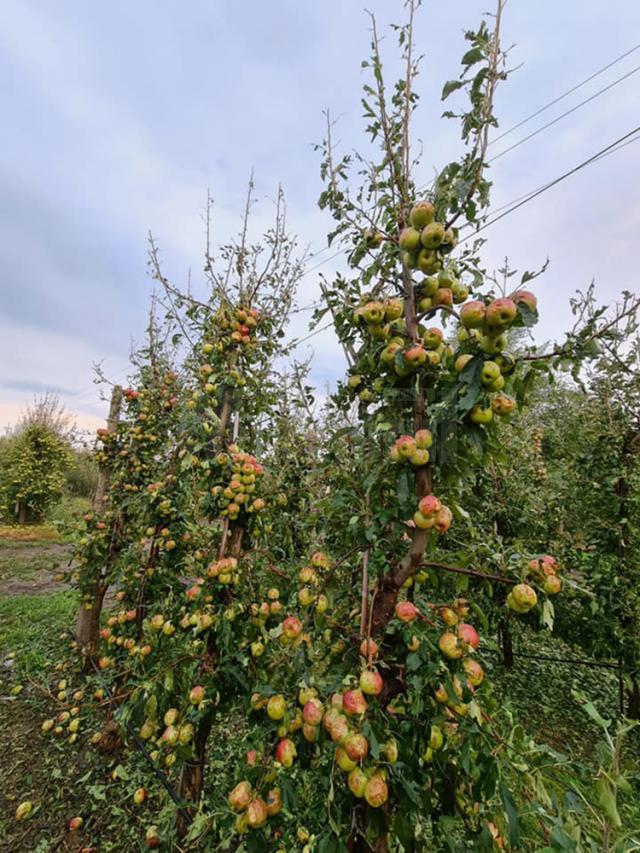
(88, 619)
(22, 512)
(633, 697)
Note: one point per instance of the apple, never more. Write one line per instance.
(522, 598)
(354, 703)
(388, 354)
(460, 292)
(354, 381)
(526, 297)
(443, 519)
(490, 372)
(436, 738)
(371, 682)
(432, 235)
(24, 810)
(356, 746)
(357, 782)
(422, 213)
(390, 751)
(448, 616)
(305, 694)
(474, 672)
(336, 724)
(256, 813)
(274, 802)
(376, 792)
(286, 752)
(152, 839)
(409, 239)
(423, 522)
(171, 716)
(310, 733)
(343, 761)
(462, 361)
(423, 439)
(478, 415)
(373, 313)
(196, 696)
(450, 646)
(427, 261)
(291, 627)
(48, 725)
(313, 712)
(394, 309)
(406, 611)
(75, 823)
(552, 585)
(472, 314)
(501, 313)
(443, 296)
(419, 457)
(276, 707)
(430, 505)
(369, 648)
(139, 796)
(252, 757)
(492, 344)
(469, 634)
(372, 237)
(441, 694)
(503, 405)
(406, 446)
(415, 356)
(432, 338)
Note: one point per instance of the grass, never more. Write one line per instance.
(25, 535)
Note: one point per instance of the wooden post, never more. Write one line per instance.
(88, 619)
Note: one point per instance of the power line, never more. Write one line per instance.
(566, 94)
(531, 192)
(531, 196)
(566, 113)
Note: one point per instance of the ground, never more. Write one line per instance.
(63, 780)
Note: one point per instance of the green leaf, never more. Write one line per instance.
(472, 56)
(449, 87)
(512, 815)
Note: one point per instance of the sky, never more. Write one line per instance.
(118, 117)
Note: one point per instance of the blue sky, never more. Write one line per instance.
(117, 117)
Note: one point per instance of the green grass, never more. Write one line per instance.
(30, 628)
(25, 563)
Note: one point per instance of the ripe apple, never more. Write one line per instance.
(469, 634)
(390, 751)
(274, 802)
(422, 213)
(427, 261)
(356, 746)
(357, 782)
(552, 585)
(371, 682)
(75, 823)
(443, 519)
(313, 712)
(423, 439)
(291, 627)
(448, 616)
(196, 696)
(305, 694)
(522, 598)
(376, 792)
(462, 361)
(419, 457)
(526, 297)
(354, 703)
(310, 733)
(343, 761)
(443, 296)
(286, 752)
(430, 505)
(423, 522)
(171, 716)
(373, 313)
(503, 405)
(24, 810)
(474, 672)
(450, 646)
(369, 648)
(406, 611)
(139, 796)
(492, 344)
(406, 446)
(336, 724)
(460, 292)
(276, 707)
(472, 314)
(501, 313)
(256, 813)
(415, 356)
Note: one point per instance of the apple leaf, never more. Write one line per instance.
(472, 56)
(449, 87)
(512, 815)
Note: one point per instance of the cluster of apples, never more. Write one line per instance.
(412, 448)
(545, 570)
(432, 514)
(67, 721)
(239, 326)
(109, 635)
(253, 810)
(425, 242)
(441, 290)
(493, 378)
(243, 472)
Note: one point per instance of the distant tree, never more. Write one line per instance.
(49, 412)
